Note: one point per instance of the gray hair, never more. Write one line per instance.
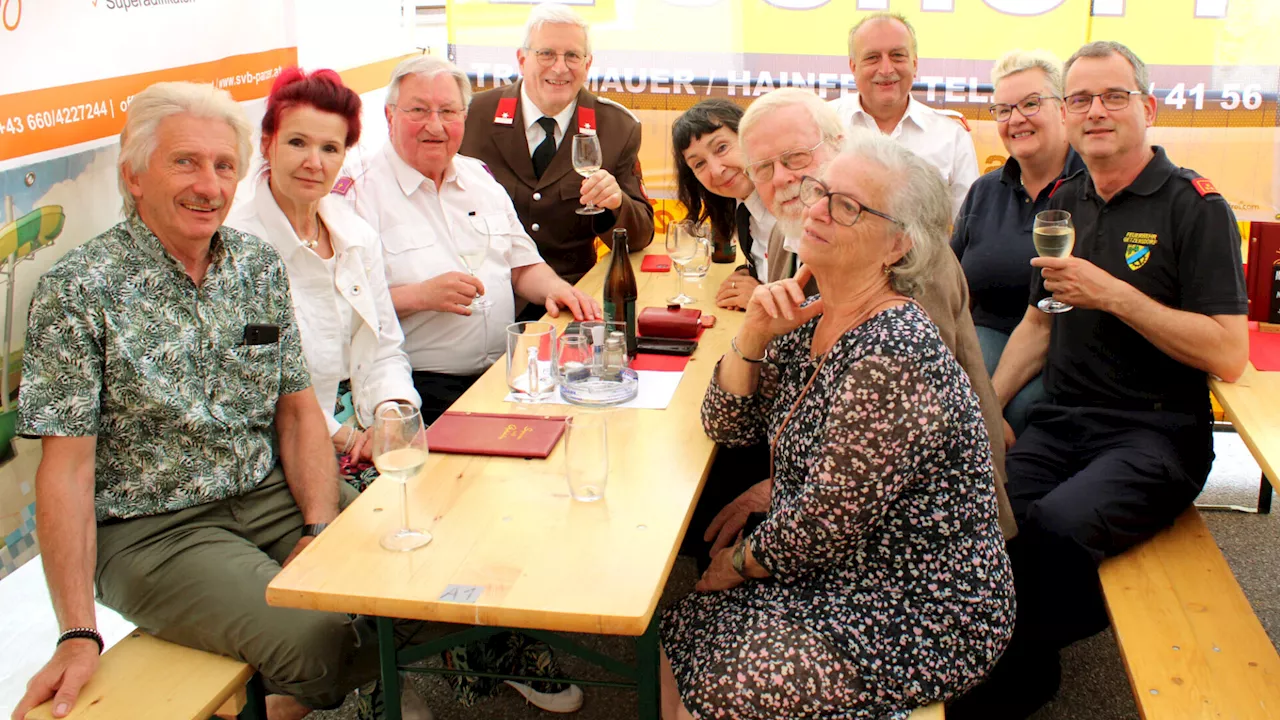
(427, 67)
(138, 139)
(1107, 48)
(916, 196)
(879, 16)
(555, 14)
(826, 120)
(1016, 61)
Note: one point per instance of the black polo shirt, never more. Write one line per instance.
(1180, 246)
(992, 240)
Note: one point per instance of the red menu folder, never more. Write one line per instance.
(523, 436)
(1261, 270)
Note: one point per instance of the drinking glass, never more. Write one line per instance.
(399, 452)
(1054, 236)
(531, 355)
(700, 263)
(586, 455)
(472, 250)
(682, 246)
(587, 160)
(573, 362)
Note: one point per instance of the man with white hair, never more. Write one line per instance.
(185, 457)
(883, 59)
(789, 133)
(520, 131)
(429, 205)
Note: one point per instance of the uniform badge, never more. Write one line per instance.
(1204, 186)
(506, 112)
(343, 186)
(587, 121)
(1138, 248)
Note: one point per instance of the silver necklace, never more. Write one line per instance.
(312, 242)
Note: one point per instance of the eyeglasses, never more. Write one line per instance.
(762, 171)
(547, 57)
(843, 208)
(420, 114)
(1111, 100)
(1027, 106)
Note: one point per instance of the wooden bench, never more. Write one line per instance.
(930, 712)
(1188, 637)
(144, 678)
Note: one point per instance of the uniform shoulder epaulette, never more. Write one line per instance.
(954, 116)
(343, 185)
(1203, 185)
(606, 101)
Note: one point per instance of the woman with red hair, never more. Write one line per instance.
(334, 259)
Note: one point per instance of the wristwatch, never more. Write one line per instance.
(313, 529)
(739, 558)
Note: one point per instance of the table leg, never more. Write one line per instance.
(390, 673)
(1264, 496)
(647, 677)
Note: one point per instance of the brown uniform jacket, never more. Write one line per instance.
(546, 205)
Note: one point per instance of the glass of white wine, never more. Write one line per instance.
(587, 160)
(399, 452)
(682, 247)
(1054, 236)
(472, 250)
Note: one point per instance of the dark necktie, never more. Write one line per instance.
(744, 238)
(547, 148)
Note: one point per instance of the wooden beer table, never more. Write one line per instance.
(511, 549)
(1252, 404)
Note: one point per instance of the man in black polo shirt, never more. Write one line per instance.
(1124, 445)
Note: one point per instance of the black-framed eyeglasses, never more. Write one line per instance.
(844, 209)
(799, 159)
(547, 57)
(1027, 106)
(420, 114)
(1111, 100)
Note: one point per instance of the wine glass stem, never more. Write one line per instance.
(404, 504)
(675, 267)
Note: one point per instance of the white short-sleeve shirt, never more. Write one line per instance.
(423, 230)
(937, 136)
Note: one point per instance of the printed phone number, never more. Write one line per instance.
(68, 115)
(1233, 95)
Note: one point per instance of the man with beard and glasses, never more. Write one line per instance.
(786, 135)
(882, 57)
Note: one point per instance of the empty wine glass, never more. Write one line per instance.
(682, 246)
(399, 452)
(587, 160)
(472, 250)
(1054, 236)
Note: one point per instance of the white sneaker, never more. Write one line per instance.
(412, 706)
(566, 701)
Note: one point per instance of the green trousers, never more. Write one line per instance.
(198, 577)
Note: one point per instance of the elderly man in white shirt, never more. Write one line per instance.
(882, 57)
(429, 205)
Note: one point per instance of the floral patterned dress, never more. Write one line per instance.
(889, 587)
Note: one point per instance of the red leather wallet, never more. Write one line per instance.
(668, 322)
(488, 434)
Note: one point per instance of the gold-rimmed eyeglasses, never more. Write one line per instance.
(798, 159)
(547, 57)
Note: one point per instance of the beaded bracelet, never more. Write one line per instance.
(87, 633)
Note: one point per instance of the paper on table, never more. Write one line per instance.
(656, 390)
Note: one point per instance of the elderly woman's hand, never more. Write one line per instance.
(775, 309)
(720, 575)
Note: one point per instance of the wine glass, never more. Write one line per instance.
(399, 452)
(682, 246)
(587, 160)
(472, 252)
(1054, 236)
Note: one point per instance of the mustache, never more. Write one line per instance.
(886, 78)
(208, 203)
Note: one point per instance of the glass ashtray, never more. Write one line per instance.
(595, 391)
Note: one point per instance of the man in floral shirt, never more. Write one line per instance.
(185, 456)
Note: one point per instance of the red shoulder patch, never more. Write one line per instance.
(505, 114)
(343, 186)
(1204, 186)
(963, 123)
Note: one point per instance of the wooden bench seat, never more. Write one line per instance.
(1189, 639)
(144, 678)
(930, 712)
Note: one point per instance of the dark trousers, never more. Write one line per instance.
(439, 391)
(1084, 484)
(733, 471)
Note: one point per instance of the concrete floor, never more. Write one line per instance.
(1094, 686)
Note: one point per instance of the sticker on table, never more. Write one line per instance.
(461, 593)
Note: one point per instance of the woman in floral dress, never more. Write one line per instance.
(878, 581)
